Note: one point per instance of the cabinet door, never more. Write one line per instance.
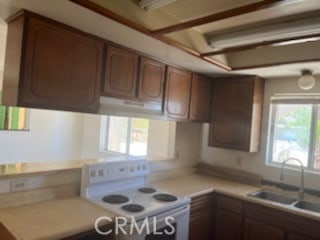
(177, 93)
(120, 73)
(293, 236)
(228, 226)
(62, 68)
(232, 114)
(201, 217)
(93, 235)
(200, 225)
(200, 105)
(256, 230)
(151, 80)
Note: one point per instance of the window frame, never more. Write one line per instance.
(26, 123)
(312, 134)
(104, 142)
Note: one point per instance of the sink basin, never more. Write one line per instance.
(310, 206)
(273, 197)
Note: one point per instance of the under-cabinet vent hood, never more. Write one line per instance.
(122, 107)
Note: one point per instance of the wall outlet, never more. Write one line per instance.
(20, 184)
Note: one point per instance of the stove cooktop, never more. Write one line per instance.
(121, 187)
(139, 202)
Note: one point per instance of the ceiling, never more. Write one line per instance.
(194, 39)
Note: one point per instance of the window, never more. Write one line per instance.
(295, 130)
(13, 118)
(127, 135)
(154, 139)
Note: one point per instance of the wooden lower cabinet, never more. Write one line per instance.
(93, 235)
(200, 226)
(228, 226)
(228, 219)
(201, 218)
(259, 231)
(220, 217)
(293, 236)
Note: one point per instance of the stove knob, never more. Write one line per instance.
(93, 173)
(144, 167)
(132, 168)
(101, 172)
(139, 168)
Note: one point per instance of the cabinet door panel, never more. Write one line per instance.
(228, 226)
(151, 80)
(62, 68)
(293, 236)
(200, 105)
(93, 235)
(200, 226)
(121, 73)
(231, 118)
(177, 93)
(256, 230)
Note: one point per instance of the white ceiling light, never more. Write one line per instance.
(287, 30)
(153, 4)
(307, 80)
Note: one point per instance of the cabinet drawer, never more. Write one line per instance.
(201, 204)
(229, 204)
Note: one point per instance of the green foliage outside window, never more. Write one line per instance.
(12, 118)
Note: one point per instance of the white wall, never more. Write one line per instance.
(53, 135)
(188, 143)
(255, 162)
(91, 137)
(161, 139)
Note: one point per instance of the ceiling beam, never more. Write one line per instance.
(275, 64)
(283, 41)
(116, 17)
(107, 13)
(253, 7)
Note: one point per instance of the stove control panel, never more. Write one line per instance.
(109, 171)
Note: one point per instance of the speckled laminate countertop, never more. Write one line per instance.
(52, 219)
(193, 185)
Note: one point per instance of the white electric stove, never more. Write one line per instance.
(121, 187)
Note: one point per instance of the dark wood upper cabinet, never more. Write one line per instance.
(60, 67)
(151, 80)
(236, 113)
(177, 98)
(201, 94)
(121, 73)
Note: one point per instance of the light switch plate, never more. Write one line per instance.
(20, 184)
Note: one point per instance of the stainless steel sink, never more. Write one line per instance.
(310, 206)
(273, 197)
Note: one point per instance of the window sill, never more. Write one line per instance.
(293, 168)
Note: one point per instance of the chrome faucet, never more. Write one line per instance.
(301, 189)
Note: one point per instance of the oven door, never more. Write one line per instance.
(159, 229)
